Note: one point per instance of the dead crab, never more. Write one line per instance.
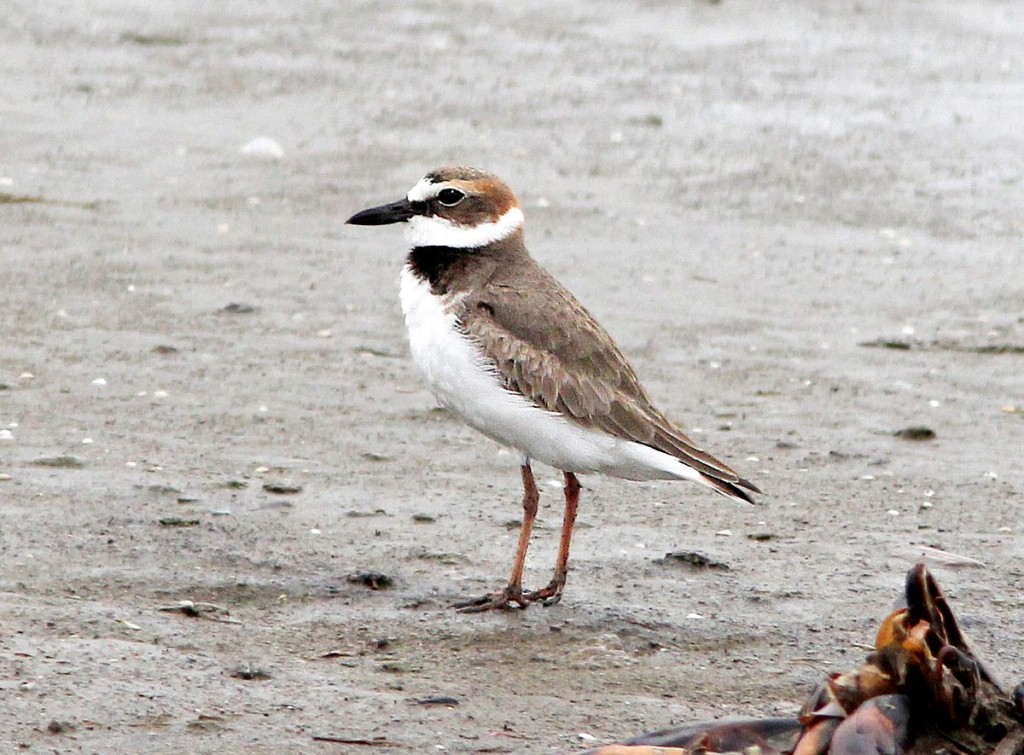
(922, 690)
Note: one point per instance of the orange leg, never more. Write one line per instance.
(512, 595)
(551, 594)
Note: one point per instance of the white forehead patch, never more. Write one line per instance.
(424, 190)
(421, 230)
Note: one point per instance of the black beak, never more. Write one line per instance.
(396, 212)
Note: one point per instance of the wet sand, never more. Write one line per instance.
(743, 193)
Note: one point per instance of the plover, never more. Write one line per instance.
(508, 349)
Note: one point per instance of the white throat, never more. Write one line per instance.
(434, 231)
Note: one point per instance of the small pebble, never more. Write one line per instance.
(177, 521)
(264, 147)
(373, 580)
(280, 487)
(916, 432)
(64, 462)
(249, 673)
(693, 558)
(6, 435)
(5, 477)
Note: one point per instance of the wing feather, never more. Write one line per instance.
(569, 364)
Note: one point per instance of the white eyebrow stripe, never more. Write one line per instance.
(421, 230)
(424, 190)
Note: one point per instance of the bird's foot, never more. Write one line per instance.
(547, 596)
(511, 598)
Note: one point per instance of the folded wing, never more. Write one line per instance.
(571, 365)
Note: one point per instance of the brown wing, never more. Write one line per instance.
(550, 349)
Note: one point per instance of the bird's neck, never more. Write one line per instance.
(451, 269)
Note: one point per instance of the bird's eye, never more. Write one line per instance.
(450, 197)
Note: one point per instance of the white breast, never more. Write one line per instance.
(466, 383)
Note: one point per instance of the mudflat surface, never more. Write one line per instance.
(744, 193)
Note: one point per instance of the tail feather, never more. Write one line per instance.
(748, 485)
(734, 490)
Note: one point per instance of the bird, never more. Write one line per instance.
(509, 350)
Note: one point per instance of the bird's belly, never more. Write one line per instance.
(467, 383)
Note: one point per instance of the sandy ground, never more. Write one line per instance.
(743, 192)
